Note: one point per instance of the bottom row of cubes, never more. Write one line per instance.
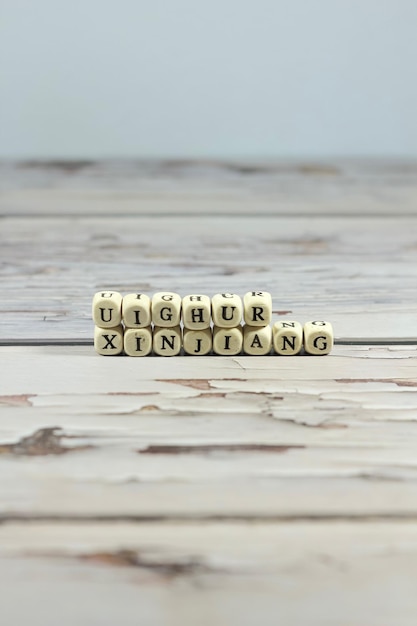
(285, 337)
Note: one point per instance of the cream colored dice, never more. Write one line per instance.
(196, 312)
(166, 309)
(167, 341)
(226, 310)
(257, 308)
(197, 342)
(287, 337)
(136, 310)
(138, 341)
(107, 309)
(108, 341)
(227, 341)
(318, 337)
(257, 340)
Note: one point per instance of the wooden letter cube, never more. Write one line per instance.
(136, 310)
(107, 309)
(197, 342)
(166, 309)
(226, 310)
(167, 341)
(108, 341)
(257, 340)
(227, 341)
(257, 306)
(287, 337)
(138, 341)
(318, 337)
(196, 312)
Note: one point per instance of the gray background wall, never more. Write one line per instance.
(246, 78)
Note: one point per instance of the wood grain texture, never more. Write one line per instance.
(359, 274)
(217, 490)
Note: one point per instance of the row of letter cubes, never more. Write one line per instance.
(143, 332)
(168, 309)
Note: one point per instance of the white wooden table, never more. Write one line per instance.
(209, 490)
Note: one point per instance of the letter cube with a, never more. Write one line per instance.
(226, 310)
(257, 340)
(167, 341)
(166, 309)
(196, 312)
(197, 342)
(227, 341)
(136, 310)
(318, 337)
(287, 337)
(257, 308)
(108, 341)
(107, 309)
(138, 341)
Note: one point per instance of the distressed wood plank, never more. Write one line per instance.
(360, 274)
(253, 438)
(212, 187)
(213, 573)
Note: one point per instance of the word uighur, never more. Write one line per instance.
(167, 325)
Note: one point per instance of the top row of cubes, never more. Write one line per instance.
(165, 309)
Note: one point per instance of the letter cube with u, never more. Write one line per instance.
(226, 310)
(107, 309)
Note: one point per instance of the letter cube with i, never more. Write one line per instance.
(318, 337)
(107, 309)
(166, 309)
(287, 337)
(138, 341)
(226, 310)
(167, 341)
(136, 310)
(227, 341)
(108, 341)
(197, 342)
(257, 340)
(196, 312)
(257, 308)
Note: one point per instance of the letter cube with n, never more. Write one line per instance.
(196, 312)
(287, 337)
(257, 307)
(166, 309)
(318, 337)
(107, 309)
(167, 341)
